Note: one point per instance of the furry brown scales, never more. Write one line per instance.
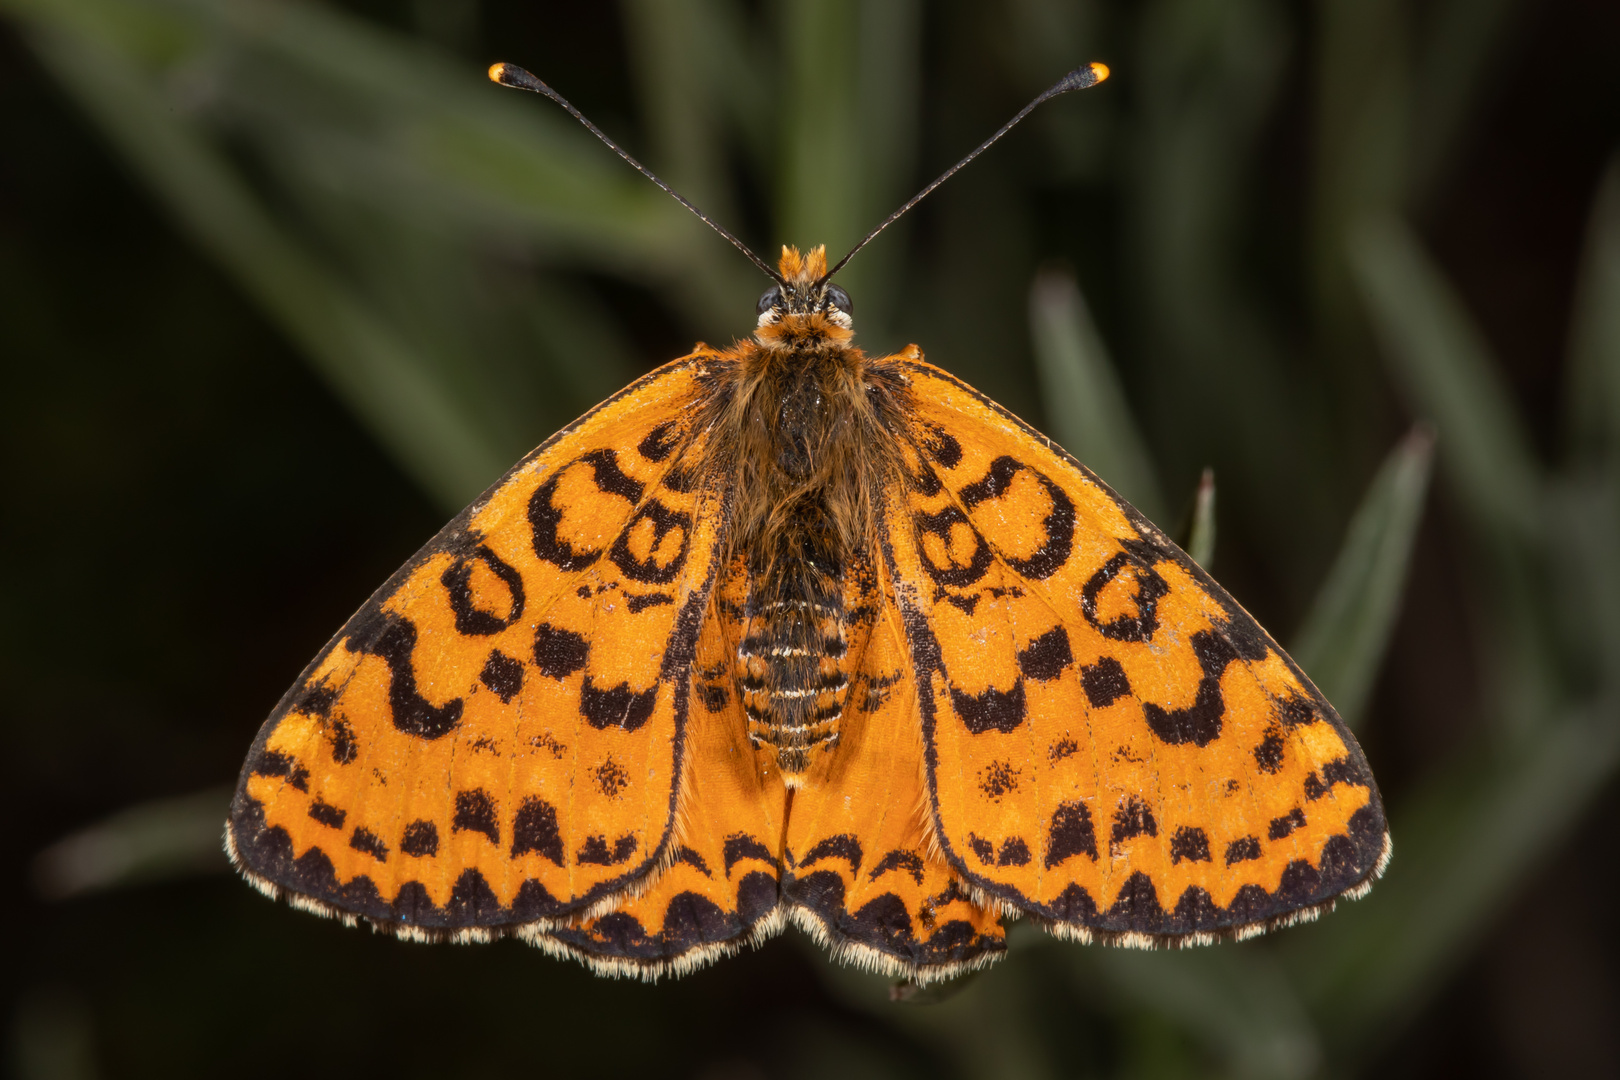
(803, 424)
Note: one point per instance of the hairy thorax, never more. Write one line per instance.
(810, 419)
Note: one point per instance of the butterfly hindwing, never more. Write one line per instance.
(495, 738)
(722, 885)
(1113, 744)
(863, 874)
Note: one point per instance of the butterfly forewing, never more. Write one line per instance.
(496, 737)
(1113, 744)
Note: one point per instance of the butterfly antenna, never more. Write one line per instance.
(1078, 79)
(514, 76)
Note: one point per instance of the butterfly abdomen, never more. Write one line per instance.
(810, 449)
(791, 672)
(791, 658)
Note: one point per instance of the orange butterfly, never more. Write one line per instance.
(783, 631)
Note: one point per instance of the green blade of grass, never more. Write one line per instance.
(517, 356)
(1201, 537)
(820, 135)
(1439, 360)
(1363, 102)
(424, 129)
(1085, 405)
(674, 57)
(375, 371)
(847, 135)
(428, 140)
(1205, 80)
(151, 841)
(1344, 637)
(687, 57)
(889, 61)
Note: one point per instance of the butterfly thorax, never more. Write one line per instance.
(810, 417)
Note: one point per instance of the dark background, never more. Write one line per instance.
(191, 507)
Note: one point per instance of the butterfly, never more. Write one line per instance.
(785, 632)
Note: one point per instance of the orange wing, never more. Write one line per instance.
(1113, 744)
(864, 877)
(722, 886)
(495, 738)
(848, 855)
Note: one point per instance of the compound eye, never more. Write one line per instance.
(839, 299)
(770, 299)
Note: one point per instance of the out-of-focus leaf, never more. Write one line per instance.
(1363, 101)
(1594, 402)
(147, 842)
(673, 43)
(591, 353)
(434, 139)
(889, 61)
(1440, 363)
(524, 353)
(403, 301)
(1234, 999)
(820, 174)
(1438, 358)
(1085, 406)
(1201, 538)
(375, 371)
(1204, 85)
(1039, 38)
(848, 132)
(744, 77)
(1582, 585)
(1344, 637)
(1479, 830)
(1455, 65)
(439, 147)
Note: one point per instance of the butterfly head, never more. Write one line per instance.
(804, 302)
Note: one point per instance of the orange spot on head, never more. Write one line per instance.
(1099, 70)
(802, 269)
(498, 70)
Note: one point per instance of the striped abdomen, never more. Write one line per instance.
(792, 676)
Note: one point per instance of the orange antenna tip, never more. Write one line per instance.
(517, 78)
(1098, 70)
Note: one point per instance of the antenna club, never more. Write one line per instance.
(1078, 79)
(514, 76)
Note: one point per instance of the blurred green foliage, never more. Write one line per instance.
(453, 261)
